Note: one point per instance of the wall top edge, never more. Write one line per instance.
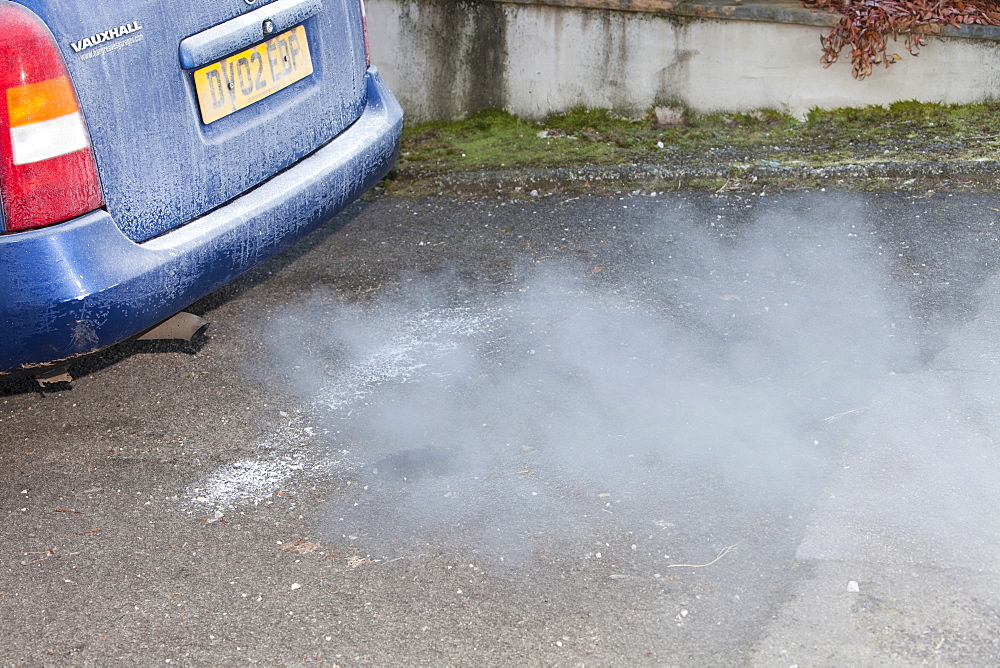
(769, 11)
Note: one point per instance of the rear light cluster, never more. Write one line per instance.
(47, 169)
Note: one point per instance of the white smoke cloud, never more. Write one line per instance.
(711, 373)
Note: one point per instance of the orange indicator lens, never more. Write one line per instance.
(40, 101)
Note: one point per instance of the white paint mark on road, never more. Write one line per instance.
(427, 337)
(284, 455)
(287, 456)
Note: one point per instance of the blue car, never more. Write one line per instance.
(151, 152)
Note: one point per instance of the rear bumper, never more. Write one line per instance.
(77, 287)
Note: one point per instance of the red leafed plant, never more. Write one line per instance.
(867, 25)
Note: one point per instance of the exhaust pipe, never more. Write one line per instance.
(51, 376)
(182, 327)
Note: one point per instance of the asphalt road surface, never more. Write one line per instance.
(654, 429)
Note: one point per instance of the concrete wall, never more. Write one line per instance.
(444, 59)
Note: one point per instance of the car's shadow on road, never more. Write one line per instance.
(24, 383)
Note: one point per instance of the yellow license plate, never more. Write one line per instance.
(235, 82)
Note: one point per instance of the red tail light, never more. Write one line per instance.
(47, 170)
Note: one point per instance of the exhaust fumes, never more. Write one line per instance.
(696, 392)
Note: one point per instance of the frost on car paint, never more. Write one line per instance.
(187, 205)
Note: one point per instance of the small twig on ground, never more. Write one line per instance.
(356, 561)
(725, 186)
(47, 553)
(506, 475)
(844, 414)
(721, 555)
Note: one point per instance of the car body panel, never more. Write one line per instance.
(189, 205)
(79, 286)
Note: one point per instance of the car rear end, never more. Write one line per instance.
(151, 152)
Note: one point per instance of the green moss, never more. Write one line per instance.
(495, 140)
